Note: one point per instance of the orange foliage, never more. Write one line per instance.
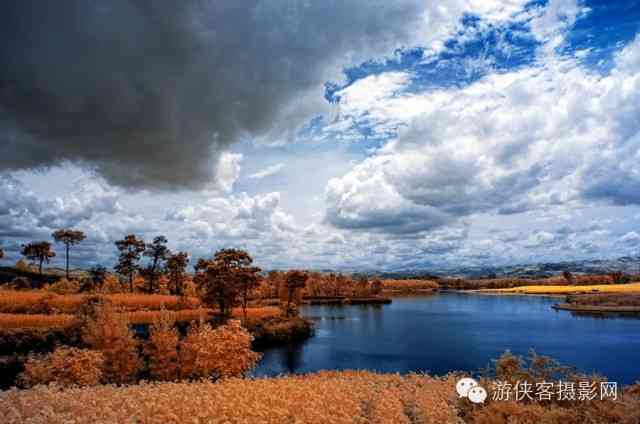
(513, 369)
(409, 285)
(185, 315)
(64, 286)
(36, 321)
(162, 348)
(40, 301)
(134, 317)
(153, 301)
(66, 366)
(108, 332)
(325, 397)
(257, 313)
(221, 352)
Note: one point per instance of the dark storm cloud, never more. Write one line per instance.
(148, 93)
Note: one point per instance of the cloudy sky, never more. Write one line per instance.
(366, 134)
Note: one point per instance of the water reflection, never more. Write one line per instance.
(453, 331)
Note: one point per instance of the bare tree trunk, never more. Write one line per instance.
(131, 282)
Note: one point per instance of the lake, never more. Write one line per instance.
(455, 331)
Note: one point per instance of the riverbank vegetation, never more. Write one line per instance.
(327, 396)
(602, 302)
(122, 327)
(631, 288)
(565, 279)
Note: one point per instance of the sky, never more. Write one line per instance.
(372, 135)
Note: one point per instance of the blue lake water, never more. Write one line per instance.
(452, 331)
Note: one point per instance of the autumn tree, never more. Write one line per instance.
(339, 284)
(275, 279)
(39, 251)
(176, 267)
(158, 252)
(98, 275)
(618, 277)
(107, 331)
(294, 280)
(219, 352)
(361, 286)
(200, 274)
(376, 287)
(569, 277)
(130, 250)
(226, 277)
(249, 280)
(162, 348)
(65, 366)
(69, 238)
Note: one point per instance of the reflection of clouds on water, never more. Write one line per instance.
(322, 333)
(317, 318)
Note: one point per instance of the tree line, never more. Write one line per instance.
(226, 280)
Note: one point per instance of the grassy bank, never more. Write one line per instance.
(335, 397)
(632, 288)
(324, 397)
(602, 302)
(342, 300)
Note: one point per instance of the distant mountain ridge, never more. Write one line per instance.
(626, 264)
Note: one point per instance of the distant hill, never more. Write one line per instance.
(49, 275)
(626, 264)
(8, 274)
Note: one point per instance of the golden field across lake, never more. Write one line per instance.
(566, 289)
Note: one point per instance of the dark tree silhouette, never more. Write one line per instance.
(249, 280)
(158, 252)
(294, 280)
(130, 251)
(176, 266)
(98, 274)
(69, 238)
(200, 276)
(569, 277)
(39, 251)
(1, 253)
(376, 286)
(226, 277)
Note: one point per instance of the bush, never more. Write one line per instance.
(221, 352)
(64, 286)
(162, 348)
(109, 333)
(67, 366)
(512, 369)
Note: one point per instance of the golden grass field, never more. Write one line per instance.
(134, 317)
(36, 321)
(325, 397)
(561, 290)
(14, 301)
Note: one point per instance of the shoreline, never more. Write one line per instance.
(596, 308)
(347, 301)
(495, 292)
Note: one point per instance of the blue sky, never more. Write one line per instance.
(406, 135)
